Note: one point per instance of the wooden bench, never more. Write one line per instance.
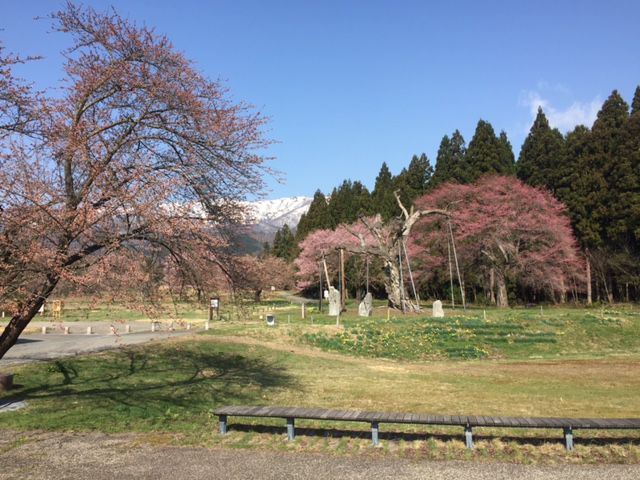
(467, 421)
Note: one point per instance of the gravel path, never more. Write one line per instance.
(38, 347)
(100, 456)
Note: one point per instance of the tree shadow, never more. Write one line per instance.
(147, 382)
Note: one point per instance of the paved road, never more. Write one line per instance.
(100, 456)
(38, 347)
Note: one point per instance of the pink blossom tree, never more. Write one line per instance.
(504, 228)
(135, 150)
(368, 236)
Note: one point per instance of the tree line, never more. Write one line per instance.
(594, 172)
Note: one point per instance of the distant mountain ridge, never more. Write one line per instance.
(266, 217)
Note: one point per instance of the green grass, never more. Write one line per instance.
(171, 388)
(474, 334)
(564, 362)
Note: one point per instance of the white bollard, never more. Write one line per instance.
(44, 330)
(304, 310)
(127, 329)
(153, 327)
(66, 330)
(89, 331)
(206, 325)
(188, 326)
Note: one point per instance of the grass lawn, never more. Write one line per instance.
(166, 391)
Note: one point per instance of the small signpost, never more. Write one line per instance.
(214, 305)
(56, 309)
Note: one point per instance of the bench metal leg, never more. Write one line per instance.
(291, 430)
(374, 433)
(468, 436)
(223, 424)
(568, 438)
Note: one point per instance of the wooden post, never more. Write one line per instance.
(589, 296)
(375, 440)
(568, 438)
(453, 297)
(402, 299)
(413, 284)
(326, 272)
(343, 283)
(291, 430)
(223, 424)
(468, 436)
(455, 256)
(321, 295)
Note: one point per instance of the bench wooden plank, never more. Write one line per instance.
(389, 417)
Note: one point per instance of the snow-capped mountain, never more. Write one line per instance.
(267, 216)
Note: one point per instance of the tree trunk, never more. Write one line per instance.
(589, 299)
(502, 299)
(257, 295)
(25, 314)
(563, 292)
(397, 298)
(492, 284)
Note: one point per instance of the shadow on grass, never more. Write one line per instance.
(444, 437)
(152, 382)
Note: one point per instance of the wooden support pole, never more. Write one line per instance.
(375, 440)
(468, 436)
(326, 272)
(223, 424)
(568, 438)
(453, 297)
(343, 283)
(291, 430)
(321, 294)
(455, 256)
(402, 299)
(413, 285)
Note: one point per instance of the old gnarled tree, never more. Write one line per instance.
(369, 236)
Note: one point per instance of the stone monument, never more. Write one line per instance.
(438, 312)
(365, 309)
(334, 302)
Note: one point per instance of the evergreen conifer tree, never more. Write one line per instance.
(384, 201)
(414, 181)
(609, 139)
(284, 244)
(450, 162)
(507, 158)
(541, 158)
(632, 152)
(485, 154)
(317, 217)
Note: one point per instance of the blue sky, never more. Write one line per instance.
(350, 84)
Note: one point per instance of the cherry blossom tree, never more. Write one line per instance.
(506, 229)
(368, 236)
(256, 274)
(135, 150)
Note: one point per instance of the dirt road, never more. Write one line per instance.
(99, 456)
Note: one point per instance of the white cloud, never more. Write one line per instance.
(578, 113)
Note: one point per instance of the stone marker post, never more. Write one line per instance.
(438, 311)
